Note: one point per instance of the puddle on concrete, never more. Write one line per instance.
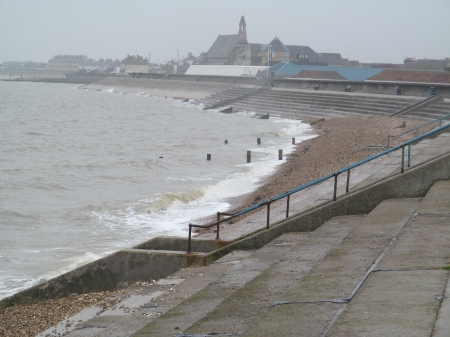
(126, 307)
(131, 304)
(170, 281)
(74, 321)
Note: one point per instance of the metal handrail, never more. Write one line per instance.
(317, 181)
(415, 100)
(416, 129)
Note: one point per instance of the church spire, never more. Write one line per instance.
(242, 30)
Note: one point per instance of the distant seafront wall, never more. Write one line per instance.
(195, 87)
(157, 87)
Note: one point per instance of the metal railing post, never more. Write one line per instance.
(335, 186)
(268, 214)
(217, 236)
(403, 159)
(189, 239)
(409, 155)
(287, 208)
(348, 182)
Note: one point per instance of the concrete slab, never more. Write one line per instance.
(394, 303)
(365, 182)
(442, 325)
(203, 302)
(437, 200)
(337, 275)
(424, 243)
(434, 150)
(387, 219)
(245, 307)
(295, 320)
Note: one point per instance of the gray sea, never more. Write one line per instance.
(86, 173)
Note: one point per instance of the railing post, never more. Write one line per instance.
(403, 159)
(348, 182)
(409, 155)
(268, 214)
(218, 216)
(189, 239)
(287, 208)
(217, 236)
(335, 186)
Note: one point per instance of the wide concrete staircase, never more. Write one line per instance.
(378, 274)
(303, 103)
(229, 94)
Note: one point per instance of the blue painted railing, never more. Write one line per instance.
(416, 130)
(317, 181)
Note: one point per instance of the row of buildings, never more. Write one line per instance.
(227, 50)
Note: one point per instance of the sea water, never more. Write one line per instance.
(86, 173)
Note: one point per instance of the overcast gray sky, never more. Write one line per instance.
(365, 30)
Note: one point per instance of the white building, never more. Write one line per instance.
(220, 70)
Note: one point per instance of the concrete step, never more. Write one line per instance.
(331, 245)
(305, 111)
(408, 288)
(208, 298)
(342, 99)
(159, 298)
(309, 308)
(333, 104)
(422, 115)
(244, 305)
(327, 95)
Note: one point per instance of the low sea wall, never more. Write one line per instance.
(190, 86)
(160, 257)
(366, 87)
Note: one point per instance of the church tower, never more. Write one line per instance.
(242, 30)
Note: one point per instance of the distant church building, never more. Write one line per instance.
(230, 49)
(235, 49)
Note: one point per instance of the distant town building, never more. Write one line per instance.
(280, 53)
(135, 64)
(426, 64)
(66, 63)
(332, 59)
(29, 65)
(302, 54)
(190, 60)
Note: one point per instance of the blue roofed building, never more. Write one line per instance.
(289, 69)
